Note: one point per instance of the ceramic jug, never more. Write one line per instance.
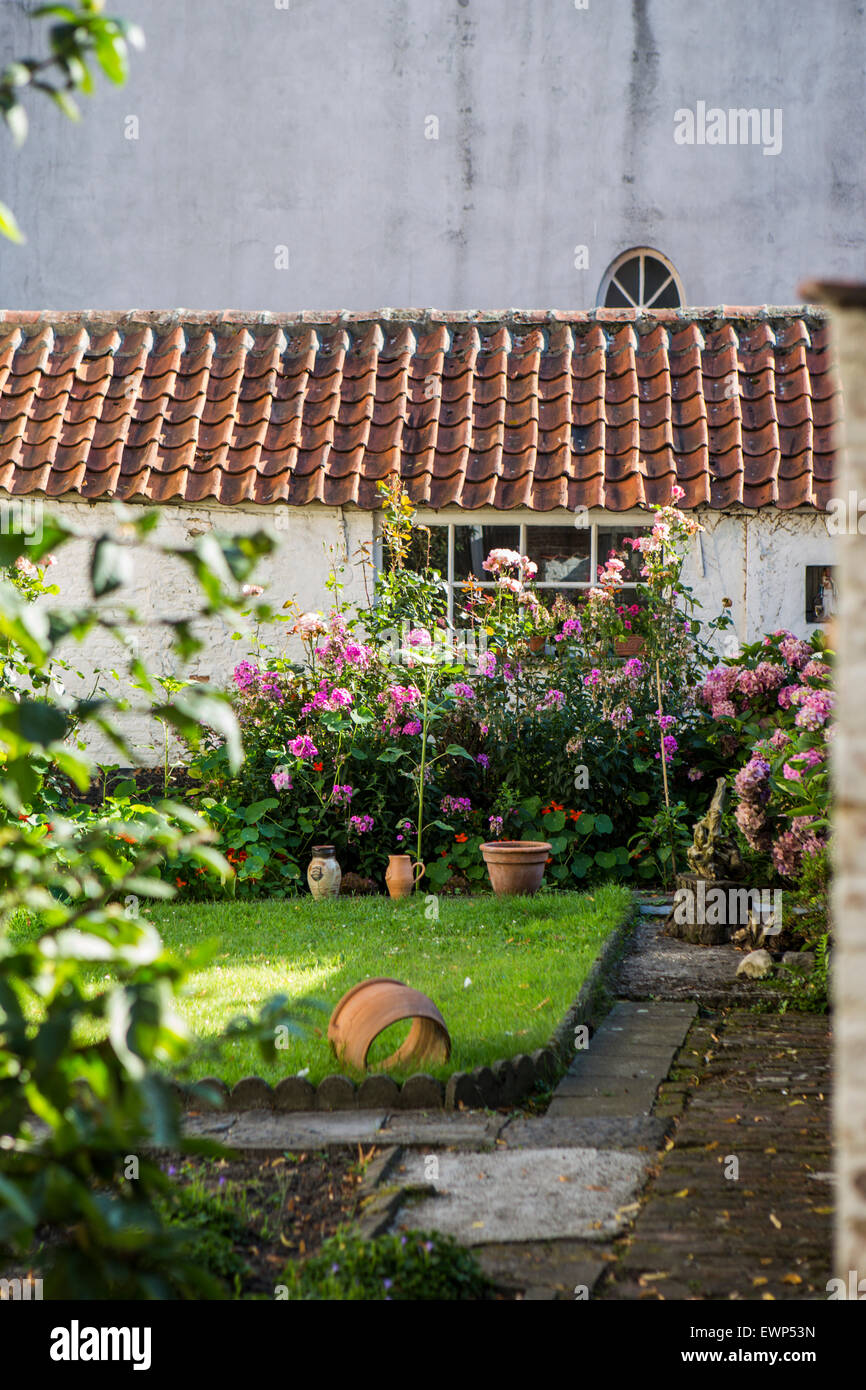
(402, 875)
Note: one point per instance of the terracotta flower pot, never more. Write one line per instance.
(324, 874)
(372, 1006)
(402, 875)
(537, 641)
(515, 866)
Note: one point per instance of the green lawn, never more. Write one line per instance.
(502, 972)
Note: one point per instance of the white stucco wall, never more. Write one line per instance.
(307, 542)
(308, 125)
(757, 560)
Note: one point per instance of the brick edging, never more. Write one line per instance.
(505, 1082)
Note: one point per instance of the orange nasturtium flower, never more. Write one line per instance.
(461, 838)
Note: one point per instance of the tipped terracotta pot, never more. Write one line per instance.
(370, 1007)
(515, 866)
(402, 875)
(536, 642)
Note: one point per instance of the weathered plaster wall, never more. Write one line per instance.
(307, 542)
(758, 560)
(304, 124)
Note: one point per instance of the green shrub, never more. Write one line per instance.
(417, 1265)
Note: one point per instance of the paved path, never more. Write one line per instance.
(737, 1203)
(741, 1207)
(685, 1154)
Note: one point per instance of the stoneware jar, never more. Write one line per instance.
(401, 875)
(323, 872)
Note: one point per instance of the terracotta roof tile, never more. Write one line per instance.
(545, 410)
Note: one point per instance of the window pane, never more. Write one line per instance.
(654, 276)
(628, 276)
(472, 545)
(562, 553)
(614, 538)
(668, 299)
(615, 299)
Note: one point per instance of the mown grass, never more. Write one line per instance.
(502, 972)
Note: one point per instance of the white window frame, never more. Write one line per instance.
(595, 520)
(640, 252)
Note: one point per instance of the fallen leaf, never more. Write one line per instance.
(761, 1279)
(791, 1279)
(775, 1220)
(684, 1193)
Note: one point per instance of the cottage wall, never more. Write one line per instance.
(757, 560)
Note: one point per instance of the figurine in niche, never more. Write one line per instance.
(825, 602)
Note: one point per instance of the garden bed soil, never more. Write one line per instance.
(291, 1204)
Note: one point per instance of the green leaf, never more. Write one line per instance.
(15, 75)
(603, 825)
(66, 104)
(455, 750)
(605, 859)
(8, 225)
(16, 119)
(192, 711)
(553, 822)
(40, 723)
(259, 808)
(110, 567)
(112, 56)
(391, 755)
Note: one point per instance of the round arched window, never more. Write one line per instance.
(641, 279)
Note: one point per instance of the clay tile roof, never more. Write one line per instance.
(609, 408)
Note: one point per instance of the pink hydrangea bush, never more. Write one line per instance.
(772, 708)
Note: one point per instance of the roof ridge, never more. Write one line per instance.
(169, 318)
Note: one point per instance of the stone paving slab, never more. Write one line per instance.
(544, 1270)
(461, 1129)
(296, 1130)
(628, 1058)
(531, 1195)
(304, 1129)
(642, 1132)
(663, 967)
